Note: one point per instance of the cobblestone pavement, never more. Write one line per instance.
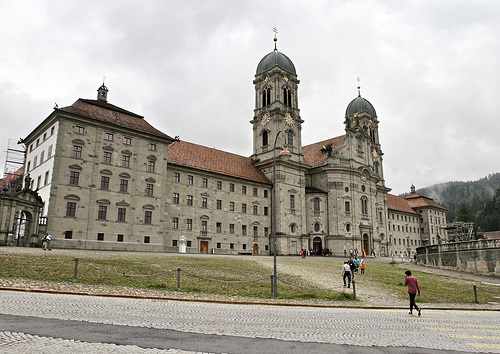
(466, 331)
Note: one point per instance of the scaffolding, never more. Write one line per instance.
(14, 162)
(460, 231)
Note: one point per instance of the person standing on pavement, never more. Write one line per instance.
(362, 267)
(357, 263)
(413, 289)
(346, 273)
(48, 239)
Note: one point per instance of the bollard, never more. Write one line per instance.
(178, 279)
(76, 270)
(354, 289)
(272, 285)
(475, 293)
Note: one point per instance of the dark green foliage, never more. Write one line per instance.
(489, 217)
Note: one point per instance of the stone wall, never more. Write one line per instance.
(481, 256)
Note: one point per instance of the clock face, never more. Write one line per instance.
(266, 79)
(265, 119)
(375, 153)
(289, 119)
(286, 78)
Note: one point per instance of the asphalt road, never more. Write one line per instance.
(58, 323)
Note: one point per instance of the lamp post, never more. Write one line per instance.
(285, 155)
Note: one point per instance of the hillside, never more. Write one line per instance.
(451, 195)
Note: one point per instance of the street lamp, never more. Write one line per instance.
(285, 155)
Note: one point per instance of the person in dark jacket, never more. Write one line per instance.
(413, 290)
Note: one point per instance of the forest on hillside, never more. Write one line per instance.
(481, 198)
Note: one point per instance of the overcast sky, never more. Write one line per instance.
(430, 68)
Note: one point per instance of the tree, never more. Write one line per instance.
(464, 214)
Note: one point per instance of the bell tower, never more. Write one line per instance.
(276, 107)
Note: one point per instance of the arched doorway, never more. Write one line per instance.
(366, 244)
(255, 250)
(21, 228)
(317, 246)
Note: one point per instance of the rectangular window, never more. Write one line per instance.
(102, 211)
(44, 136)
(243, 208)
(42, 156)
(177, 177)
(231, 206)
(49, 152)
(175, 223)
(255, 210)
(149, 189)
(218, 227)
(219, 185)
(255, 192)
(174, 243)
(231, 246)
(77, 153)
(189, 224)
(244, 246)
(243, 189)
(108, 136)
(292, 202)
(256, 231)
(125, 161)
(189, 200)
(204, 225)
(219, 245)
(190, 179)
(151, 166)
(104, 182)
(37, 142)
(265, 193)
(147, 239)
(152, 147)
(119, 238)
(175, 198)
(100, 236)
(231, 187)
(68, 235)
(124, 185)
(122, 214)
(266, 231)
(188, 243)
(38, 182)
(127, 141)
(74, 177)
(35, 160)
(219, 204)
(266, 211)
(231, 228)
(347, 207)
(71, 209)
(204, 202)
(204, 182)
(79, 130)
(52, 131)
(148, 217)
(243, 230)
(106, 157)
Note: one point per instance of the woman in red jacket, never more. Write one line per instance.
(413, 289)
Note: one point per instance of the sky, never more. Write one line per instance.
(431, 69)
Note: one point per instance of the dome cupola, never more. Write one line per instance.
(360, 105)
(273, 59)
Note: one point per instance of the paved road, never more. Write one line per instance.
(56, 323)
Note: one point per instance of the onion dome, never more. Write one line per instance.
(360, 105)
(273, 59)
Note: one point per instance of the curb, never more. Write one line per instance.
(372, 307)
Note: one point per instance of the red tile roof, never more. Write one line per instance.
(418, 201)
(111, 114)
(399, 204)
(317, 154)
(208, 159)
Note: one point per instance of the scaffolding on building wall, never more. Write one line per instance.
(460, 231)
(14, 162)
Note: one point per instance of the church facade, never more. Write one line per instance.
(112, 181)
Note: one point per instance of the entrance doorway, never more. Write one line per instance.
(317, 247)
(203, 246)
(255, 250)
(365, 244)
(21, 227)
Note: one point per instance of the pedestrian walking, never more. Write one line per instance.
(413, 289)
(346, 273)
(357, 263)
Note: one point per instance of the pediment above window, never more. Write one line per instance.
(123, 203)
(78, 141)
(127, 152)
(149, 207)
(205, 194)
(152, 157)
(76, 167)
(204, 217)
(108, 148)
(103, 201)
(124, 175)
(72, 197)
(150, 180)
(106, 172)
(255, 223)
(292, 191)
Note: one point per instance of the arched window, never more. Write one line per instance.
(316, 227)
(348, 227)
(266, 97)
(287, 96)
(316, 205)
(376, 167)
(265, 138)
(290, 138)
(364, 206)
